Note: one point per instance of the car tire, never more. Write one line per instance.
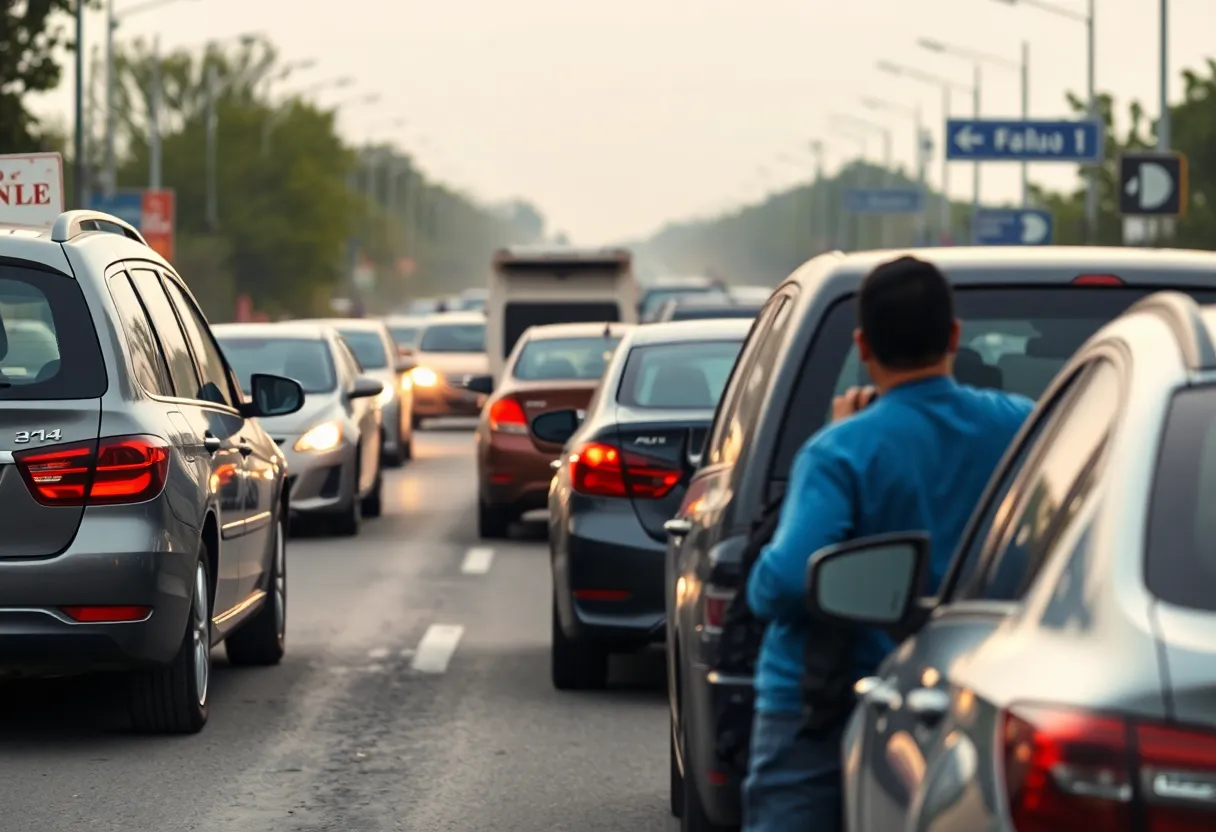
(395, 458)
(493, 522)
(373, 503)
(415, 422)
(677, 780)
(262, 640)
(350, 521)
(407, 446)
(693, 818)
(173, 698)
(576, 665)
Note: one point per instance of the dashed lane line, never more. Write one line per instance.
(436, 648)
(477, 561)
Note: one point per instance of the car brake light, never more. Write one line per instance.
(1068, 769)
(109, 471)
(106, 615)
(715, 600)
(603, 470)
(1097, 280)
(507, 416)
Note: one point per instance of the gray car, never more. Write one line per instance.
(141, 502)
(377, 353)
(1065, 675)
(332, 445)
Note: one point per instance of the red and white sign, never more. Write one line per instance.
(31, 189)
(158, 221)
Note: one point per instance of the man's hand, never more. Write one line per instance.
(853, 400)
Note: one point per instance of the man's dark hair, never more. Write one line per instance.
(905, 310)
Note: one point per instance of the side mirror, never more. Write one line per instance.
(365, 387)
(871, 581)
(273, 396)
(557, 426)
(404, 365)
(480, 384)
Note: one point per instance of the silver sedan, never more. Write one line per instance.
(332, 444)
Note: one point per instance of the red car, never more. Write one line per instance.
(555, 367)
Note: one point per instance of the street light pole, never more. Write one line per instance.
(1025, 117)
(79, 167)
(975, 167)
(154, 160)
(821, 204)
(109, 182)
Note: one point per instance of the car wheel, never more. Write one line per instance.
(493, 522)
(576, 665)
(407, 446)
(415, 422)
(395, 458)
(173, 699)
(350, 521)
(677, 781)
(693, 818)
(373, 503)
(262, 640)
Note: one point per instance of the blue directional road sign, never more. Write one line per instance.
(125, 204)
(884, 201)
(1002, 140)
(1012, 227)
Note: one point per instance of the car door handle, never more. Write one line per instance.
(928, 705)
(212, 443)
(879, 694)
(245, 448)
(677, 527)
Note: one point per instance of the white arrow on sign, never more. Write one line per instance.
(1153, 184)
(1034, 229)
(967, 139)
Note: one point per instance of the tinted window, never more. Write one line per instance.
(368, 347)
(686, 375)
(653, 299)
(404, 336)
(48, 346)
(724, 442)
(306, 360)
(149, 364)
(1062, 472)
(1013, 339)
(1180, 560)
(169, 332)
(454, 338)
(564, 358)
(519, 316)
(215, 373)
(700, 313)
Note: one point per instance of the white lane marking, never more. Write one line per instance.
(378, 653)
(436, 648)
(477, 561)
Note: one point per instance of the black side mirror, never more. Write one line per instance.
(873, 581)
(557, 426)
(365, 388)
(273, 396)
(480, 384)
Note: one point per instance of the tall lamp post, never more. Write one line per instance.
(1086, 18)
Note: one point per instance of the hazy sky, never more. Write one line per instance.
(615, 117)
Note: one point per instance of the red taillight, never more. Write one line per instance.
(1097, 280)
(714, 601)
(109, 471)
(106, 615)
(507, 416)
(1068, 769)
(602, 470)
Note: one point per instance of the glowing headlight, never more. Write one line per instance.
(324, 437)
(424, 377)
(386, 395)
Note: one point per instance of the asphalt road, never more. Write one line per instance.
(415, 696)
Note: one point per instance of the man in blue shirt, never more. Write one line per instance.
(914, 452)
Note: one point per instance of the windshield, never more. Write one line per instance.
(654, 299)
(472, 304)
(306, 360)
(367, 347)
(686, 375)
(404, 336)
(454, 338)
(583, 359)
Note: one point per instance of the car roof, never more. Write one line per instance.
(454, 318)
(675, 332)
(546, 332)
(369, 324)
(404, 320)
(677, 282)
(287, 329)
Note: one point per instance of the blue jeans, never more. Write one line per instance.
(793, 781)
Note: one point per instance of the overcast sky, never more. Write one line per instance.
(615, 117)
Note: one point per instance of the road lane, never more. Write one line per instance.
(415, 696)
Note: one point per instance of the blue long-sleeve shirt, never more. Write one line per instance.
(917, 459)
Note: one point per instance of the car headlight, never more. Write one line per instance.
(324, 437)
(386, 395)
(424, 377)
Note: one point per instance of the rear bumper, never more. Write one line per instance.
(608, 575)
(512, 472)
(118, 559)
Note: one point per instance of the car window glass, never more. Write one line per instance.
(1054, 488)
(307, 360)
(724, 444)
(169, 332)
(453, 338)
(405, 336)
(349, 355)
(215, 386)
(368, 346)
(746, 417)
(684, 375)
(572, 359)
(151, 371)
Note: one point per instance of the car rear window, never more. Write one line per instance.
(306, 360)
(454, 338)
(368, 347)
(653, 299)
(519, 316)
(1013, 339)
(48, 346)
(565, 359)
(690, 374)
(404, 336)
(1180, 556)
